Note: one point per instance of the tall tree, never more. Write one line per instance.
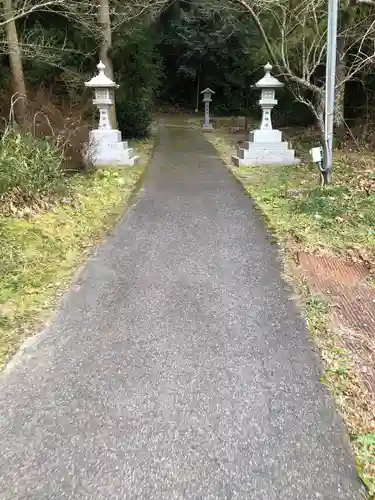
(15, 61)
(122, 12)
(106, 49)
(106, 44)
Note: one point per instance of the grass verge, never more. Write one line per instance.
(39, 256)
(352, 398)
(338, 219)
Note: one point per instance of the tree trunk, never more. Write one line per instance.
(105, 51)
(326, 177)
(319, 115)
(198, 91)
(339, 112)
(339, 116)
(15, 61)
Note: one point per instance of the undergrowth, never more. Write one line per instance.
(30, 170)
(39, 254)
(341, 378)
(338, 218)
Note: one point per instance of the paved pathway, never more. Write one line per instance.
(178, 366)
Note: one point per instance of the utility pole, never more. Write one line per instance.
(333, 6)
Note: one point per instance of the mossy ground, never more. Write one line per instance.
(39, 255)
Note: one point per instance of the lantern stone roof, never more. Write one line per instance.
(101, 80)
(208, 90)
(268, 81)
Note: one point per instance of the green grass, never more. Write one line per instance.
(365, 446)
(336, 218)
(38, 257)
(333, 218)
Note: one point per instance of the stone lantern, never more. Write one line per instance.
(268, 85)
(207, 98)
(106, 147)
(265, 146)
(102, 86)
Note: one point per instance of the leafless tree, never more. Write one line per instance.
(15, 60)
(294, 33)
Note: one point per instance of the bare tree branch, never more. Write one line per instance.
(294, 34)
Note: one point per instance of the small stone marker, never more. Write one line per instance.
(105, 146)
(265, 146)
(207, 98)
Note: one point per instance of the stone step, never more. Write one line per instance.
(135, 160)
(269, 146)
(106, 149)
(264, 153)
(118, 146)
(286, 158)
(267, 155)
(122, 147)
(272, 136)
(105, 137)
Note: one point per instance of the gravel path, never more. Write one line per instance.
(178, 366)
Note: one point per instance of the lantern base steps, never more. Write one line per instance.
(265, 158)
(107, 149)
(265, 148)
(207, 127)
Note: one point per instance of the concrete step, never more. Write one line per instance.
(264, 153)
(269, 146)
(284, 159)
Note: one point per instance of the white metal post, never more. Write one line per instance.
(333, 6)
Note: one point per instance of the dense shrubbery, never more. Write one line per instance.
(138, 70)
(134, 118)
(30, 168)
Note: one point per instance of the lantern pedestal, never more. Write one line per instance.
(265, 145)
(105, 147)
